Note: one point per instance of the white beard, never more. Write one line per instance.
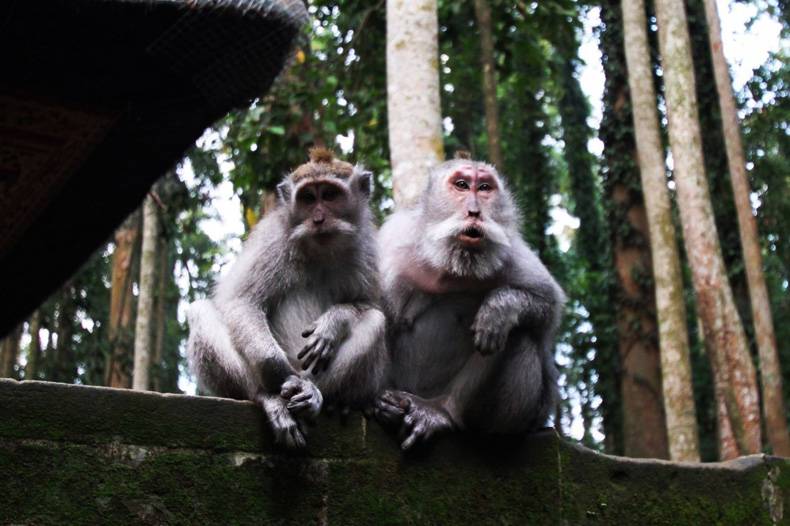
(441, 248)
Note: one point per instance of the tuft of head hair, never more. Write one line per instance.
(463, 154)
(322, 164)
(319, 154)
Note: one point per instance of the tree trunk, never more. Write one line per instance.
(145, 301)
(65, 368)
(643, 424)
(413, 100)
(483, 15)
(678, 395)
(34, 351)
(724, 335)
(163, 278)
(118, 371)
(773, 402)
(9, 352)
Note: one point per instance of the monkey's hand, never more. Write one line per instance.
(303, 399)
(286, 429)
(323, 338)
(490, 330)
(419, 420)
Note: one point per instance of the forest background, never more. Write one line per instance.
(566, 141)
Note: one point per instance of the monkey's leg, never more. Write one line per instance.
(221, 368)
(212, 357)
(508, 392)
(520, 392)
(356, 372)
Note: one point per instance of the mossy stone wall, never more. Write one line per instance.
(88, 455)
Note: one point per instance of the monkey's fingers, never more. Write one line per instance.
(322, 363)
(296, 438)
(485, 342)
(289, 388)
(417, 435)
(309, 346)
(307, 332)
(313, 356)
(299, 407)
(387, 414)
(304, 395)
(396, 398)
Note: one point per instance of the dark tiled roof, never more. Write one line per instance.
(98, 98)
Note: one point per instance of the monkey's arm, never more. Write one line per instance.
(260, 274)
(250, 333)
(530, 298)
(333, 327)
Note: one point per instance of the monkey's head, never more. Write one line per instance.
(326, 200)
(470, 217)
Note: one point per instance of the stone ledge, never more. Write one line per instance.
(84, 455)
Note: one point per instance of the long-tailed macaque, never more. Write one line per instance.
(295, 320)
(472, 311)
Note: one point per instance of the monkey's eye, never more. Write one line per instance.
(485, 187)
(306, 197)
(461, 184)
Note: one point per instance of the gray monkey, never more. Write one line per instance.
(472, 311)
(295, 319)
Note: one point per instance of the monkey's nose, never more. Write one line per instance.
(318, 220)
(473, 213)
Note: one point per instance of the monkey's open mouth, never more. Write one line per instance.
(324, 236)
(471, 235)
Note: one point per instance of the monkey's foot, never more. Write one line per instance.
(303, 399)
(390, 408)
(424, 419)
(287, 431)
(417, 419)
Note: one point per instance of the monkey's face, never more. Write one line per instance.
(464, 206)
(468, 233)
(472, 188)
(322, 212)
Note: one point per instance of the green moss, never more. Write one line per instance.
(606, 490)
(71, 484)
(211, 461)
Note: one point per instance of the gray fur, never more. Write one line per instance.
(284, 295)
(477, 356)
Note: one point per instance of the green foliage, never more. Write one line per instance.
(332, 88)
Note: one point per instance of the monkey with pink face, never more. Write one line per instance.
(471, 311)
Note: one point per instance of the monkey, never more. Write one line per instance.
(471, 310)
(296, 318)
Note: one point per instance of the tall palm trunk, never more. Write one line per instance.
(770, 372)
(413, 100)
(9, 352)
(118, 370)
(681, 418)
(34, 351)
(483, 15)
(724, 335)
(145, 301)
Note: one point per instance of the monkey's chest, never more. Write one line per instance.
(434, 342)
(293, 315)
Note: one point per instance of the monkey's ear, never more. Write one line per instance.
(284, 192)
(363, 181)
